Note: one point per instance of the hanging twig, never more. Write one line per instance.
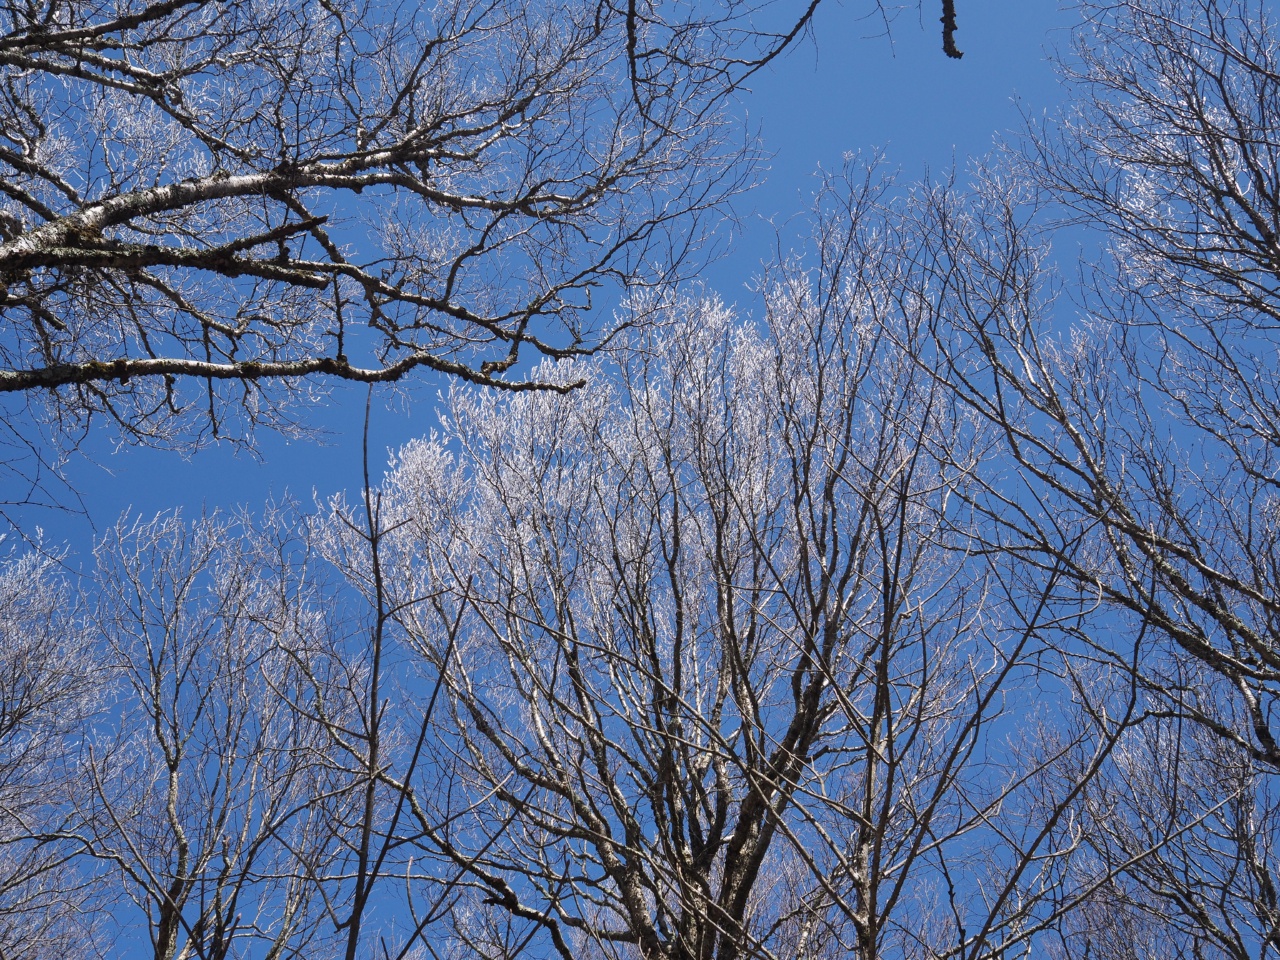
(949, 30)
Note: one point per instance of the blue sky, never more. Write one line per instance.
(851, 89)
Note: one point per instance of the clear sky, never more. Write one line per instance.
(850, 89)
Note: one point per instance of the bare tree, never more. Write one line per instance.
(200, 198)
(214, 805)
(49, 686)
(1184, 825)
(1141, 440)
(722, 680)
(231, 794)
(1145, 432)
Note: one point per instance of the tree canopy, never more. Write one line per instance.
(927, 611)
